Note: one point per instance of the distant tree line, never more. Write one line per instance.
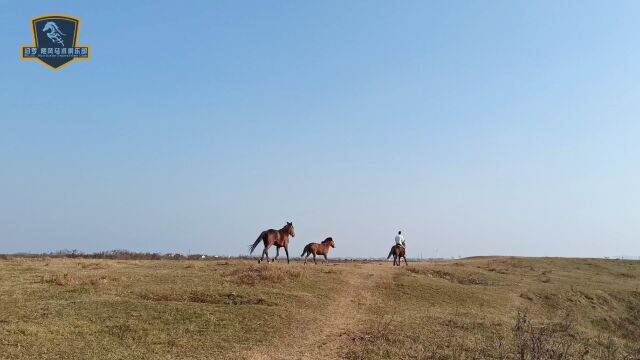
(114, 255)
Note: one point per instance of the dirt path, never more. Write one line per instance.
(324, 338)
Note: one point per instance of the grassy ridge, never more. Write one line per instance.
(508, 308)
(502, 308)
(82, 309)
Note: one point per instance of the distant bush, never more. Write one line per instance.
(110, 255)
(128, 255)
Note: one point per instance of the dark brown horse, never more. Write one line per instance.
(318, 249)
(398, 254)
(279, 238)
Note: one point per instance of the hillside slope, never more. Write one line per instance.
(499, 307)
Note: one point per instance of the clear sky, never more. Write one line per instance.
(476, 127)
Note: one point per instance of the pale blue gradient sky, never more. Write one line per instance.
(477, 128)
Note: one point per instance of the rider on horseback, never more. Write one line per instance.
(400, 240)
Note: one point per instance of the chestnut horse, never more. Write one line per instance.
(318, 249)
(279, 238)
(398, 254)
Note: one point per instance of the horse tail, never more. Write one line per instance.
(390, 252)
(255, 244)
(305, 250)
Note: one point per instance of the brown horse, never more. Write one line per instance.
(318, 249)
(279, 238)
(398, 254)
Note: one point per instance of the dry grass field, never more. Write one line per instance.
(480, 308)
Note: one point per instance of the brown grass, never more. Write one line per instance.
(483, 308)
(506, 308)
(255, 274)
(76, 279)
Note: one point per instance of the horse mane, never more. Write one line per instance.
(327, 240)
(287, 226)
(55, 27)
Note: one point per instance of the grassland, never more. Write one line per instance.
(493, 308)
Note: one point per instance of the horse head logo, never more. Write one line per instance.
(55, 41)
(53, 32)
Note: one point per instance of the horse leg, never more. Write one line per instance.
(277, 254)
(314, 259)
(266, 252)
(305, 259)
(405, 260)
(325, 259)
(286, 251)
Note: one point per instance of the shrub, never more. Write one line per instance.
(257, 274)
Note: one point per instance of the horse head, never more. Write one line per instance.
(53, 32)
(53, 27)
(329, 241)
(292, 230)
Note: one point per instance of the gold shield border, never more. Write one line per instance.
(35, 41)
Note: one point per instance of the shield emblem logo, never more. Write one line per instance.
(55, 41)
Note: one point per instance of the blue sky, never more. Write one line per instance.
(475, 127)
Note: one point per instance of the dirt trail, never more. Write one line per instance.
(323, 339)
